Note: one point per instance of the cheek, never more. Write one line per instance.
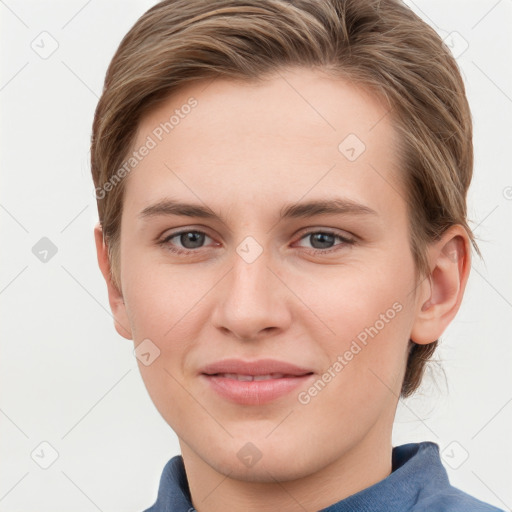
(356, 311)
(163, 308)
(369, 315)
(160, 299)
(348, 300)
(364, 366)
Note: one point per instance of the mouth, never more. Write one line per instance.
(254, 383)
(250, 378)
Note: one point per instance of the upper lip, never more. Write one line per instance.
(258, 367)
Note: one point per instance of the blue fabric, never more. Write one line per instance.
(418, 483)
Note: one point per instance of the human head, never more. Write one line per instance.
(381, 46)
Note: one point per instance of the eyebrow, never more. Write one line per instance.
(334, 206)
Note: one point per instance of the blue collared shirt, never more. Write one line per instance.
(418, 483)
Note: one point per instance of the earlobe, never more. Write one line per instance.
(115, 297)
(442, 291)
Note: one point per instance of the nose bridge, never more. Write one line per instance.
(250, 279)
(252, 298)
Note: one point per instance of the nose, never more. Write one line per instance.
(252, 301)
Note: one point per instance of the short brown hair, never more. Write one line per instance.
(379, 44)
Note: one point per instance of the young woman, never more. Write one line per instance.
(282, 201)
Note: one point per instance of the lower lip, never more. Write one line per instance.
(255, 392)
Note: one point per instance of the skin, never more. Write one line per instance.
(245, 151)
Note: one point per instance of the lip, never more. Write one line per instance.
(258, 367)
(256, 392)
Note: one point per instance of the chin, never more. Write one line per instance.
(263, 462)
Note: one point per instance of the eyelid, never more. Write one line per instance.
(302, 233)
(347, 240)
(166, 237)
(169, 233)
(332, 231)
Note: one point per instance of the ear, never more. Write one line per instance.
(115, 297)
(439, 297)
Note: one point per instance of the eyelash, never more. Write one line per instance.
(345, 242)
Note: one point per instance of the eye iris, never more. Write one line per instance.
(321, 237)
(193, 237)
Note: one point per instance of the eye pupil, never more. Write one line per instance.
(321, 237)
(191, 240)
(194, 237)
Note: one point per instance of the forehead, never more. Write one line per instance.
(299, 132)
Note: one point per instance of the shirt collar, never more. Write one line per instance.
(416, 471)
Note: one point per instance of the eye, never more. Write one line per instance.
(190, 241)
(323, 241)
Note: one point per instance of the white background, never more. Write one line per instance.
(67, 378)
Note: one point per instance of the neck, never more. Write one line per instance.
(359, 468)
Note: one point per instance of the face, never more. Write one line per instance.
(295, 248)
